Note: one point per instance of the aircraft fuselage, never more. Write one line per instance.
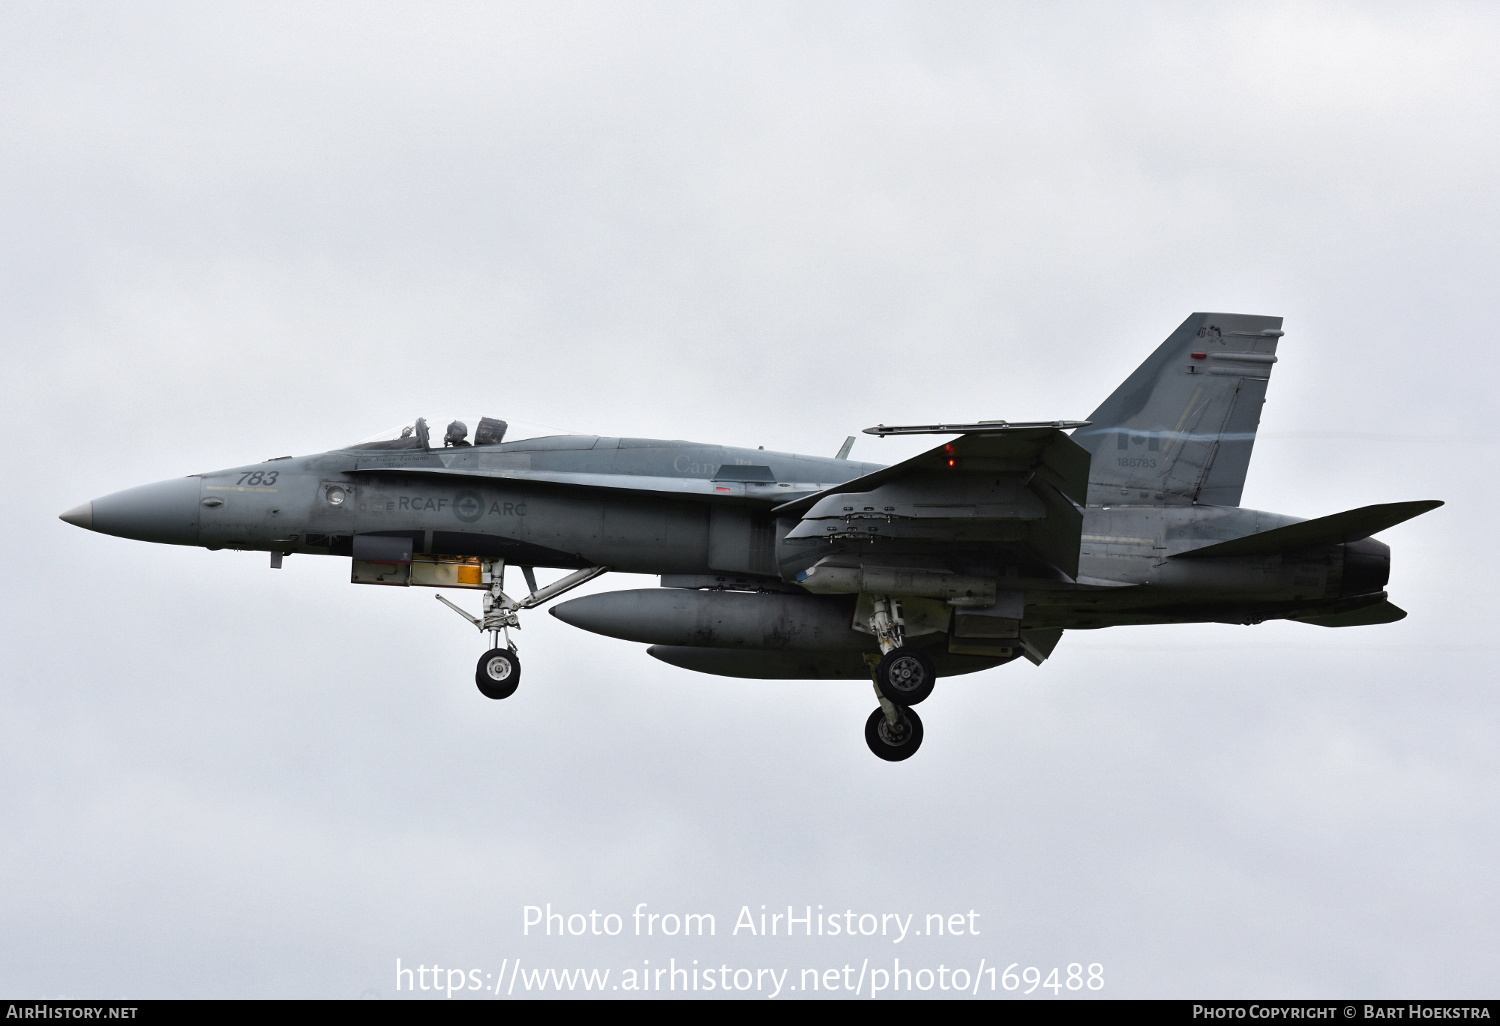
(692, 525)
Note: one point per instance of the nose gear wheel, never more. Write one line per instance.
(498, 673)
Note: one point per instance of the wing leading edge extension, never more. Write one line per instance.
(719, 488)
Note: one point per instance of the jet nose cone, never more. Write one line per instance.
(166, 511)
(79, 516)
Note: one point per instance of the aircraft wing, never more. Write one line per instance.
(1015, 488)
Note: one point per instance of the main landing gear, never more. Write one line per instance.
(499, 671)
(903, 677)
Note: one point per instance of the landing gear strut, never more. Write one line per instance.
(903, 677)
(499, 671)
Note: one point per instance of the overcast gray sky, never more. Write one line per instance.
(231, 232)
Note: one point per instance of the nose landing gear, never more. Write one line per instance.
(499, 671)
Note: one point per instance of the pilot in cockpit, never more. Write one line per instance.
(458, 431)
(415, 436)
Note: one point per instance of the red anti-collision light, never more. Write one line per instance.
(1200, 356)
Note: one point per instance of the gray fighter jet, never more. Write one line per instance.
(980, 551)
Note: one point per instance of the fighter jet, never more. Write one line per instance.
(982, 550)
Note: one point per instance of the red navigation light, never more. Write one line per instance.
(952, 462)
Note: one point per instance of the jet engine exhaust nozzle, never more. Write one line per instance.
(1367, 567)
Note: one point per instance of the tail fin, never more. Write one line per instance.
(1181, 428)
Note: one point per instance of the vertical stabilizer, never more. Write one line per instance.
(1180, 430)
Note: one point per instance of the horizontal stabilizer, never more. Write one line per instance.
(1379, 612)
(1340, 528)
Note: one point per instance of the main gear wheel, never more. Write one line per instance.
(894, 741)
(905, 675)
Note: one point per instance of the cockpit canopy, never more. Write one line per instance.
(454, 434)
